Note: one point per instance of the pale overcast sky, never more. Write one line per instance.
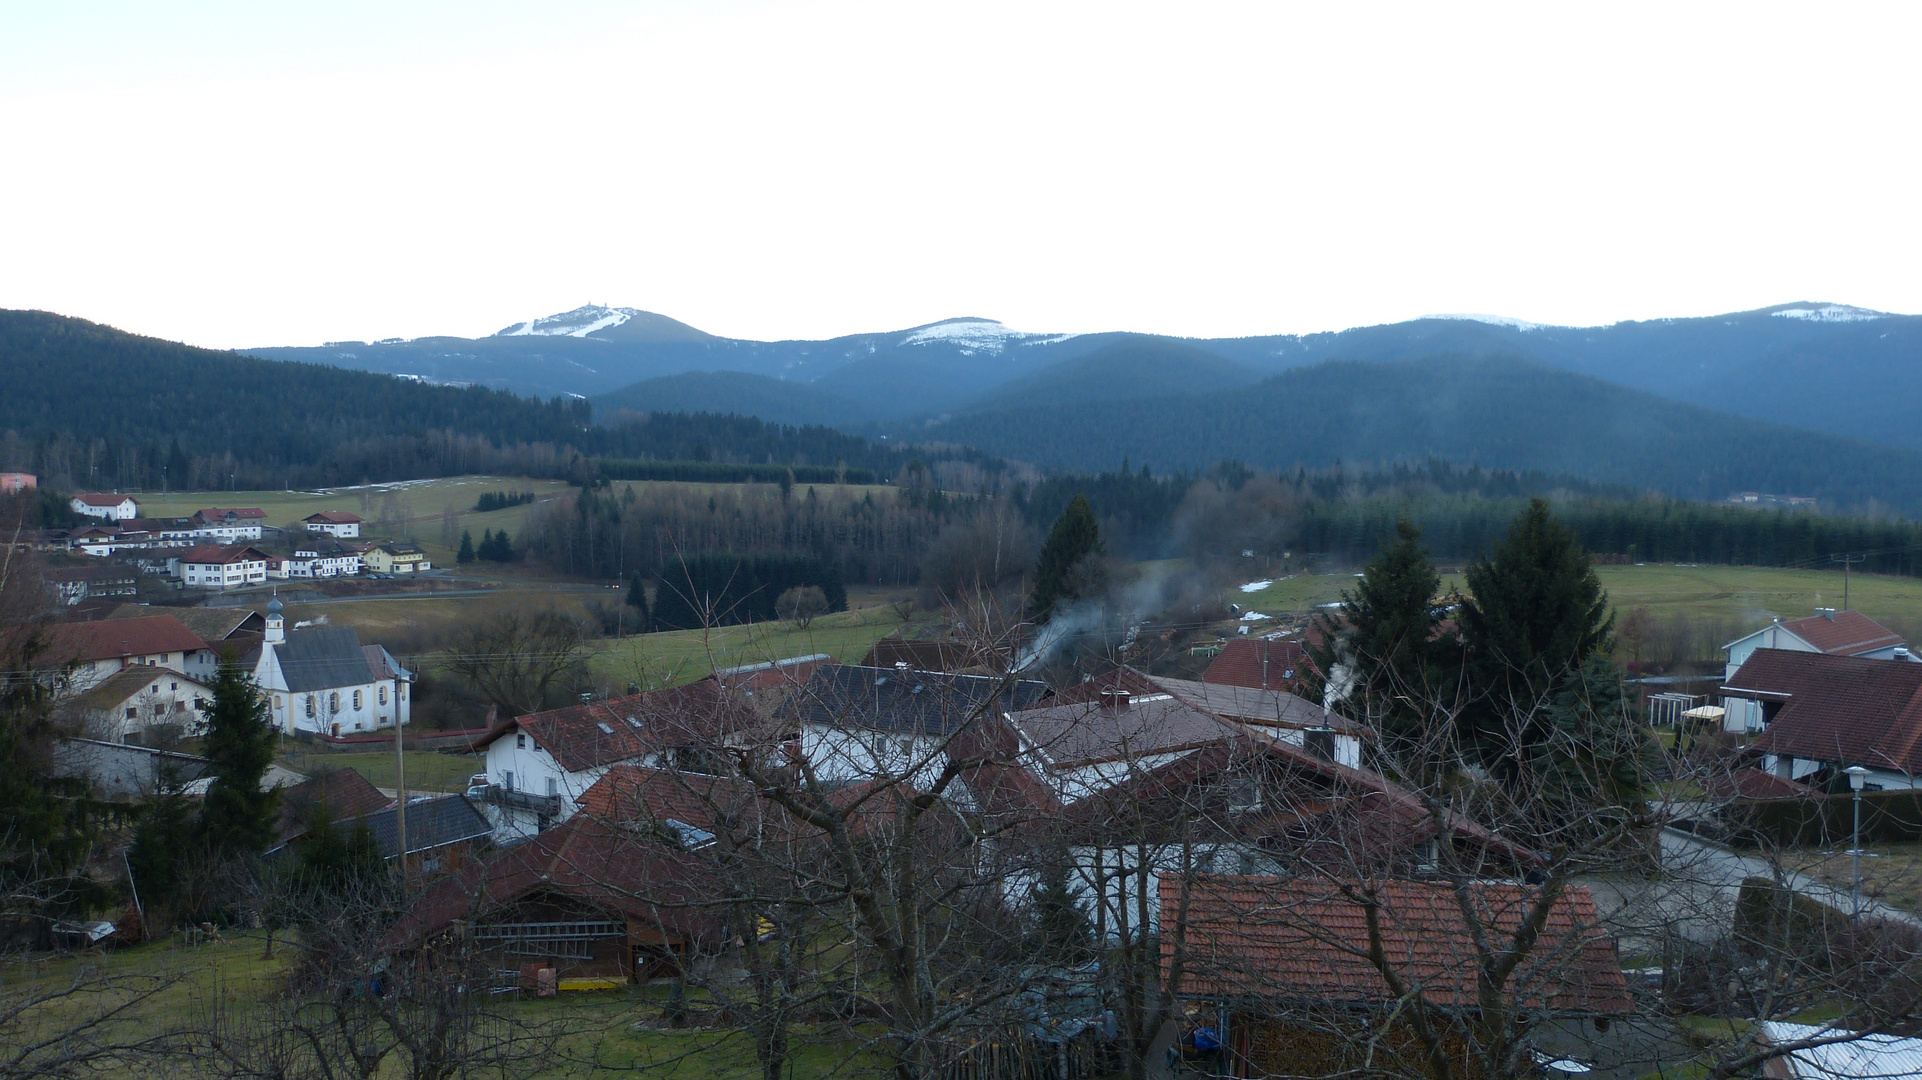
(251, 173)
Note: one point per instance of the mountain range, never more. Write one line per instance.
(1828, 367)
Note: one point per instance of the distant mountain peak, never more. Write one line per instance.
(602, 323)
(579, 322)
(1496, 320)
(1828, 313)
(987, 335)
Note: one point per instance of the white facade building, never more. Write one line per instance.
(216, 567)
(323, 680)
(106, 507)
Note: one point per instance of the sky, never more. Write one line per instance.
(250, 174)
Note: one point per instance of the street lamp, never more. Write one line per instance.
(1857, 777)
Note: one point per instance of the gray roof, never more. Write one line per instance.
(1267, 708)
(431, 823)
(905, 702)
(323, 658)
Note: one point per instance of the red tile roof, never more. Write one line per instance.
(239, 512)
(1846, 633)
(103, 500)
(587, 860)
(1752, 783)
(1264, 665)
(112, 638)
(1306, 939)
(582, 737)
(633, 794)
(334, 517)
(341, 794)
(1839, 709)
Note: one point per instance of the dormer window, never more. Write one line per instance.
(634, 723)
(606, 729)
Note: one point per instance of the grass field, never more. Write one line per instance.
(427, 770)
(669, 659)
(1746, 593)
(605, 1033)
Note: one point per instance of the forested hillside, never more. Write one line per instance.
(88, 406)
(1490, 411)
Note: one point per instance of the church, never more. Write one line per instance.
(322, 680)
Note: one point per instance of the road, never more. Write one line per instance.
(1721, 867)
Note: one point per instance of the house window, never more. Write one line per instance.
(277, 702)
(333, 702)
(520, 742)
(310, 706)
(553, 787)
(383, 695)
(133, 712)
(356, 701)
(507, 779)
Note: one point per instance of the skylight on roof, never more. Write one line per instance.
(605, 729)
(633, 723)
(689, 835)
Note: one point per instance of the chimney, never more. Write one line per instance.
(1901, 652)
(1115, 699)
(900, 665)
(1826, 612)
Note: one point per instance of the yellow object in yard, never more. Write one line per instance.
(592, 983)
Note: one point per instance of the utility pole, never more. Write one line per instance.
(400, 785)
(1846, 561)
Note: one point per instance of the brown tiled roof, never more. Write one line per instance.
(1251, 705)
(907, 703)
(1846, 633)
(221, 554)
(1840, 709)
(588, 860)
(1268, 665)
(582, 737)
(343, 794)
(110, 638)
(1753, 783)
(924, 655)
(334, 517)
(208, 624)
(1306, 939)
(96, 499)
(631, 795)
(115, 689)
(213, 513)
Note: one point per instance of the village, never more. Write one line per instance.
(1227, 866)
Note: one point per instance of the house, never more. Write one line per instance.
(13, 483)
(322, 556)
(951, 656)
(141, 704)
(238, 629)
(116, 769)
(396, 559)
(336, 796)
(1281, 969)
(1273, 712)
(1836, 633)
(230, 523)
(323, 680)
(765, 681)
(540, 765)
(1821, 712)
(1260, 664)
(106, 507)
(852, 722)
(72, 584)
(96, 650)
(442, 834)
(333, 523)
(212, 566)
(590, 903)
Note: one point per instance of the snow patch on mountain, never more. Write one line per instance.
(579, 323)
(1496, 320)
(1831, 313)
(987, 335)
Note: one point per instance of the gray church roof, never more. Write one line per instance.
(323, 658)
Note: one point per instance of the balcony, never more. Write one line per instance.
(543, 805)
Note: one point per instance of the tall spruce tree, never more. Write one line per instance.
(1594, 757)
(1388, 624)
(1535, 612)
(637, 599)
(466, 553)
(1062, 573)
(238, 818)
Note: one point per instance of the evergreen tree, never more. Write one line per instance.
(466, 553)
(637, 599)
(48, 824)
(1061, 931)
(336, 859)
(1593, 761)
(1388, 625)
(164, 859)
(1535, 612)
(238, 818)
(1062, 572)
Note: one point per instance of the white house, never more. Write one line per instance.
(92, 651)
(136, 704)
(540, 765)
(853, 723)
(1828, 631)
(231, 524)
(109, 507)
(333, 523)
(323, 558)
(323, 680)
(213, 566)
